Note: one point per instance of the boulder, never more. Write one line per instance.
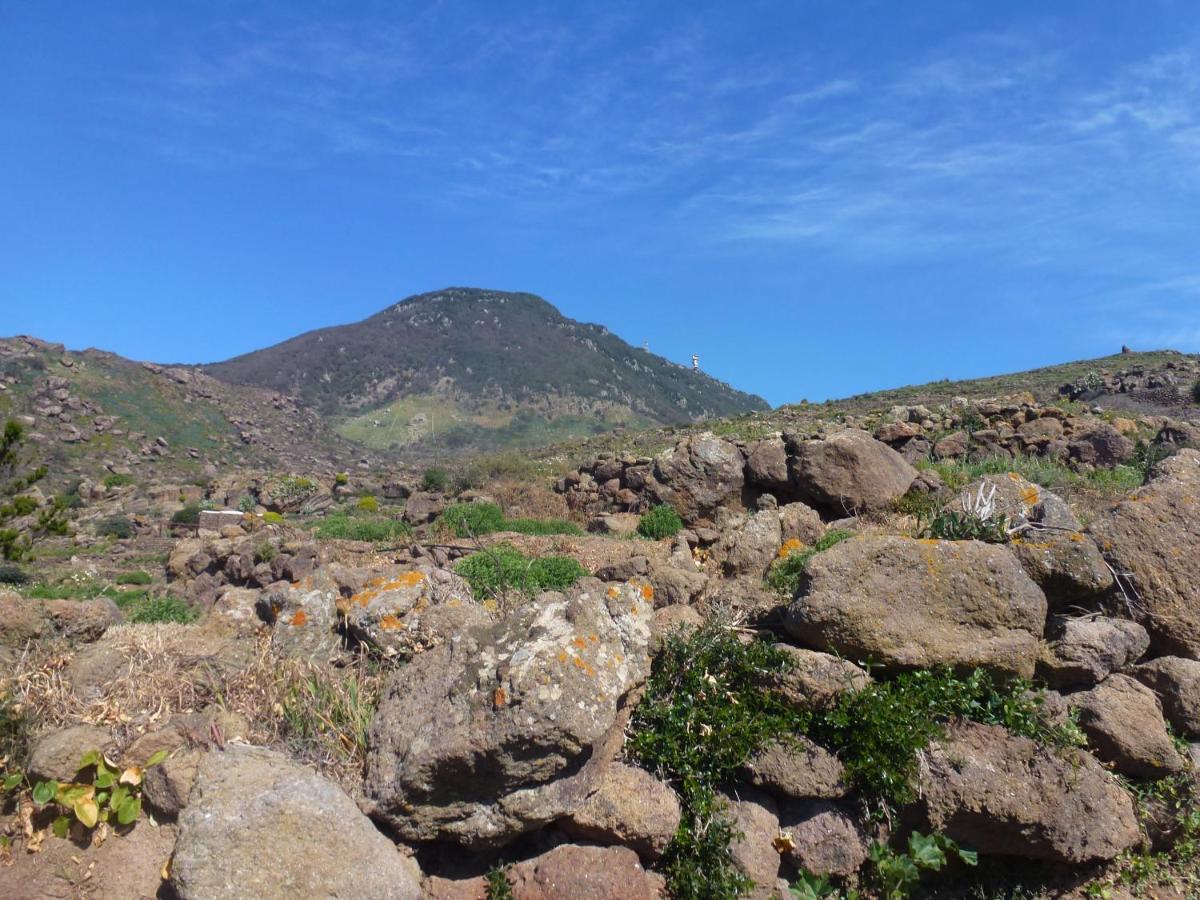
(627, 806)
(750, 548)
(55, 756)
(1101, 445)
(767, 465)
(614, 523)
(755, 820)
(953, 446)
(800, 522)
(585, 873)
(797, 769)
(1002, 794)
(423, 507)
(816, 680)
(402, 612)
(699, 475)
(1176, 682)
(501, 730)
(822, 838)
(303, 618)
(82, 620)
(259, 825)
(21, 619)
(848, 472)
(1153, 539)
(908, 603)
(1124, 723)
(1086, 651)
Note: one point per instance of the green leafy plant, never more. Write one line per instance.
(368, 504)
(435, 480)
(150, 610)
(786, 571)
(111, 794)
(503, 568)
(246, 503)
(473, 519)
(660, 522)
(542, 526)
(953, 525)
(22, 520)
(118, 527)
(498, 885)
(703, 715)
(897, 873)
(272, 518)
(341, 479)
(189, 515)
(265, 552)
(808, 886)
(1195, 392)
(361, 528)
(117, 480)
(137, 577)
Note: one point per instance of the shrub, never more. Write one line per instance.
(118, 527)
(952, 525)
(498, 885)
(897, 873)
(264, 552)
(17, 475)
(435, 480)
(368, 504)
(1196, 391)
(133, 578)
(246, 503)
(272, 518)
(12, 574)
(784, 575)
(361, 528)
(660, 522)
(151, 610)
(189, 515)
(503, 568)
(473, 519)
(114, 480)
(341, 479)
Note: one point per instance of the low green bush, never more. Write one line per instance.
(473, 519)
(151, 610)
(361, 528)
(114, 480)
(118, 527)
(138, 577)
(660, 522)
(952, 525)
(272, 518)
(246, 503)
(368, 504)
(435, 480)
(189, 515)
(503, 568)
(13, 574)
(341, 479)
(264, 552)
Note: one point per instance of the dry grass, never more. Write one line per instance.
(319, 714)
(528, 499)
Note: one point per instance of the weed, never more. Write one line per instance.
(146, 610)
(246, 503)
(272, 518)
(110, 795)
(14, 733)
(368, 504)
(784, 575)
(1196, 392)
(358, 528)
(137, 577)
(542, 526)
(660, 522)
(328, 713)
(503, 567)
(473, 519)
(341, 479)
(498, 885)
(952, 525)
(897, 873)
(264, 552)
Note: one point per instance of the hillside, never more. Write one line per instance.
(464, 367)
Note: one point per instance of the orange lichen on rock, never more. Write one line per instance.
(300, 618)
(499, 697)
(390, 623)
(613, 593)
(647, 592)
(1031, 496)
(790, 546)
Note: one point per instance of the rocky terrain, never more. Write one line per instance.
(945, 643)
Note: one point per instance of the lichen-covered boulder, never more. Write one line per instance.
(303, 618)
(1124, 723)
(908, 603)
(1101, 445)
(1003, 794)
(848, 472)
(699, 475)
(751, 547)
(767, 465)
(401, 613)
(1153, 539)
(259, 825)
(498, 731)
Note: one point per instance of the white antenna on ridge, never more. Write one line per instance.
(695, 362)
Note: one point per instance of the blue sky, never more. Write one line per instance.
(819, 198)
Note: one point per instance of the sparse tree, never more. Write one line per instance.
(22, 519)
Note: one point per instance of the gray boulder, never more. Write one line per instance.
(796, 769)
(259, 825)
(1007, 795)
(822, 838)
(750, 548)
(848, 472)
(767, 465)
(913, 603)
(500, 730)
(816, 680)
(699, 475)
(627, 806)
